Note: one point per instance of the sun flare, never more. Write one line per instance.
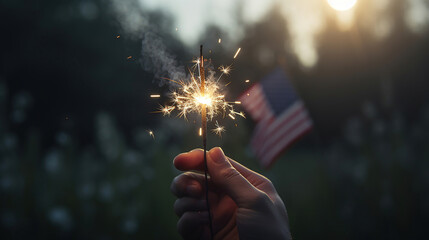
(342, 5)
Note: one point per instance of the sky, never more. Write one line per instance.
(305, 17)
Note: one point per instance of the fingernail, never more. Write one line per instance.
(196, 149)
(217, 155)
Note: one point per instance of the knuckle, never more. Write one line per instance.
(260, 201)
(229, 173)
(270, 185)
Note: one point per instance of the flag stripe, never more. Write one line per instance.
(290, 123)
(280, 115)
(259, 132)
(270, 155)
(269, 161)
(268, 130)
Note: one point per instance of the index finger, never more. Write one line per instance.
(194, 161)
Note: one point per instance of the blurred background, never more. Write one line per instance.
(76, 159)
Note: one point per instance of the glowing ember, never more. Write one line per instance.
(220, 40)
(155, 96)
(151, 133)
(219, 129)
(236, 54)
(225, 70)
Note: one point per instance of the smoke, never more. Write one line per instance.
(156, 59)
(130, 16)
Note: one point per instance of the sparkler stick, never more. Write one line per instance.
(204, 133)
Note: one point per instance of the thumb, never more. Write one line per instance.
(225, 176)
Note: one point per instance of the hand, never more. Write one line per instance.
(244, 204)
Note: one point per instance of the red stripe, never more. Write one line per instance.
(277, 132)
(271, 161)
(252, 94)
(259, 132)
(266, 147)
(256, 99)
(244, 94)
(277, 148)
(288, 124)
(286, 115)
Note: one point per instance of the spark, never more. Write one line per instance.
(233, 113)
(151, 133)
(129, 57)
(219, 129)
(225, 70)
(247, 81)
(241, 114)
(196, 61)
(191, 96)
(119, 36)
(220, 40)
(236, 54)
(165, 110)
(201, 132)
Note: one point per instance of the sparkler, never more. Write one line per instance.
(205, 101)
(202, 95)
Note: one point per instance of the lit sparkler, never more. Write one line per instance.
(204, 96)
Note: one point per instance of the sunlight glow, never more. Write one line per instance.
(342, 5)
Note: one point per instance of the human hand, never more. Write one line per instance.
(244, 204)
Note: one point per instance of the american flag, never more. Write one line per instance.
(280, 115)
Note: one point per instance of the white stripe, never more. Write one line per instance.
(267, 130)
(279, 146)
(262, 112)
(255, 90)
(283, 130)
(259, 133)
(298, 105)
(254, 99)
